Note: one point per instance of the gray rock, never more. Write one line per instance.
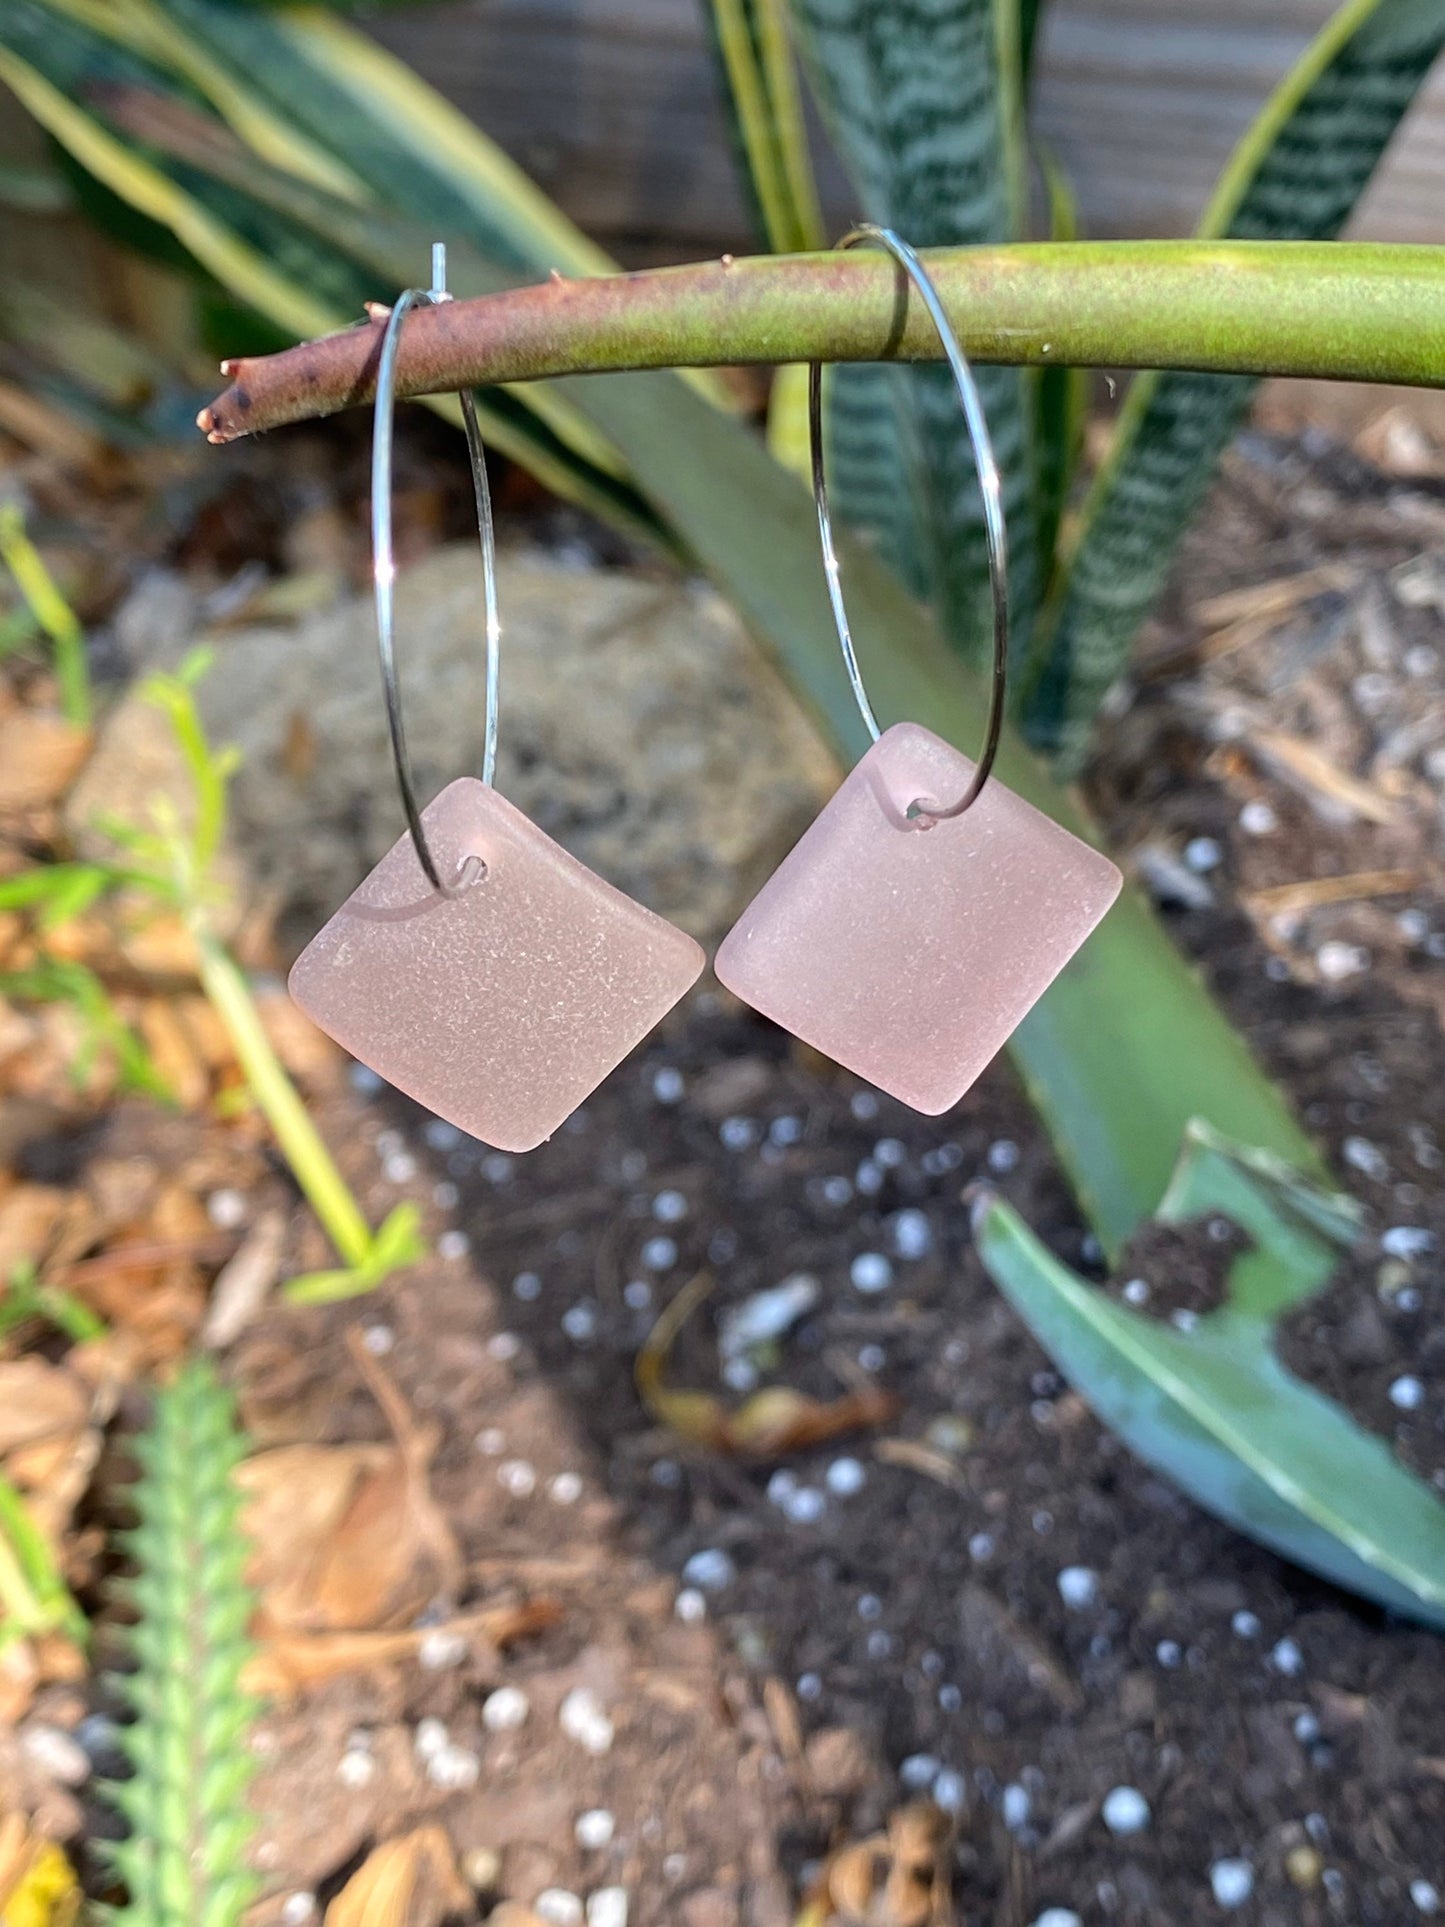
(639, 727)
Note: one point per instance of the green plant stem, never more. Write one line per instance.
(326, 1190)
(52, 612)
(18, 1603)
(1356, 311)
(33, 1594)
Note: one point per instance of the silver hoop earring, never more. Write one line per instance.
(479, 967)
(928, 908)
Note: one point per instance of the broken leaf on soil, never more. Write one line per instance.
(894, 1879)
(348, 1537)
(411, 1882)
(775, 1420)
(290, 1663)
(1213, 1407)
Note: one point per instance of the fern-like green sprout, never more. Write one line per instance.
(184, 1864)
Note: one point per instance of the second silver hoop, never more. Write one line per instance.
(383, 561)
(990, 485)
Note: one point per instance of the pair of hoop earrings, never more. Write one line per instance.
(497, 980)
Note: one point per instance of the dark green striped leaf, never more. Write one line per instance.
(1297, 175)
(921, 99)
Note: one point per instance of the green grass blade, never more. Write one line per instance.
(1214, 1409)
(1030, 21)
(327, 1192)
(63, 980)
(34, 1597)
(1059, 400)
(755, 58)
(51, 612)
(923, 104)
(778, 65)
(1297, 174)
(24, 1298)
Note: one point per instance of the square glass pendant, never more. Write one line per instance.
(499, 1007)
(909, 948)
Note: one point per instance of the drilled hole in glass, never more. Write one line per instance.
(469, 872)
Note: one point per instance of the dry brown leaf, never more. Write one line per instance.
(40, 756)
(17, 1031)
(775, 1420)
(29, 1215)
(780, 1419)
(288, 1663)
(19, 1680)
(28, 1664)
(297, 1498)
(14, 938)
(56, 1483)
(173, 1053)
(46, 1070)
(1289, 899)
(149, 1278)
(88, 940)
(121, 1189)
(159, 945)
(205, 1032)
(50, 1438)
(348, 1536)
(178, 1217)
(1397, 443)
(1278, 596)
(915, 1456)
(306, 1052)
(782, 1711)
(893, 1879)
(39, 1403)
(411, 1882)
(107, 1364)
(245, 1281)
(1321, 781)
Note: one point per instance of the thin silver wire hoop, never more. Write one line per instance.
(383, 560)
(995, 529)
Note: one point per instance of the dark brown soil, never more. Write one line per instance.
(926, 1617)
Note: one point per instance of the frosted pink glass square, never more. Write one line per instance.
(500, 1007)
(910, 954)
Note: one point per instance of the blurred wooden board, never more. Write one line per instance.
(612, 105)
